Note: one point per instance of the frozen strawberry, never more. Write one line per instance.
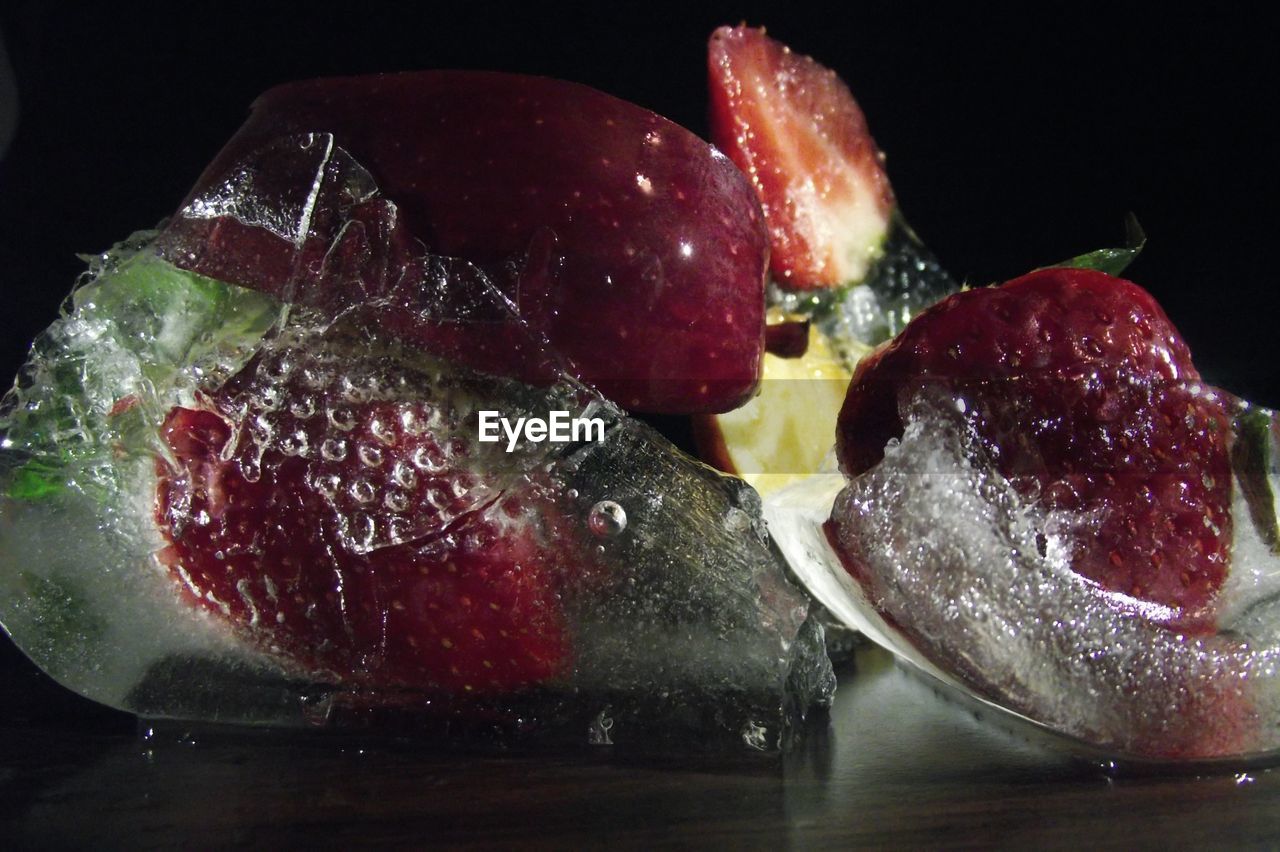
(1084, 396)
(339, 531)
(794, 128)
(636, 249)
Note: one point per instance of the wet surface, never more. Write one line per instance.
(893, 764)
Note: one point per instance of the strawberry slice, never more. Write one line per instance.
(336, 530)
(1086, 399)
(794, 128)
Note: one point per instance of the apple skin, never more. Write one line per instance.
(636, 250)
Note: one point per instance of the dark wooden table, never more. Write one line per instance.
(895, 765)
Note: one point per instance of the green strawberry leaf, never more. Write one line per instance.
(37, 480)
(136, 337)
(1251, 458)
(63, 615)
(1112, 261)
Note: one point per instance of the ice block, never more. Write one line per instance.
(1043, 506)
(267, 506)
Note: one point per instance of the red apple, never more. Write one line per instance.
(635, 249)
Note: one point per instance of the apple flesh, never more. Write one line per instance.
(633, 248)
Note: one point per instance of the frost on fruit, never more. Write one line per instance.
(967, 580)
(369, 516)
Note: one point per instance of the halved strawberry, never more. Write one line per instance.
(1085, 397)
(346, 534)
(797, 132)
(794, 128)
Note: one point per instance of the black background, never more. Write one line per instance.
(1016, 137)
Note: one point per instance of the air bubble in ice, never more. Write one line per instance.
(295, 444)
(251, 470)
(437, 498)
(396, 500)
(428, 458)
(333, 449)
(410, 422)
(328, 485)
(404, 475)
(362, 490)
(279, 369)
(398, 530)
(352, 391)
(383, 432)
(268, 399)
(303, 407)
(363, 530)
(370, 456)
(342, 418)
(607, 519)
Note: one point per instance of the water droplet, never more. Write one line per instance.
(599, 731)
(755, 736)
(607, 519)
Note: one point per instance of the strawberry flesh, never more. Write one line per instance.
(794, 128)
(355, 544)
(1084, 396)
